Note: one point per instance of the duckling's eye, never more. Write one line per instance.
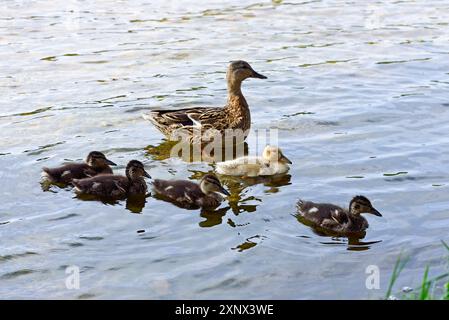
(357, 206)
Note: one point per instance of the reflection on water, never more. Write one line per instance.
(189, 153)
(135, 203)
(249, 243)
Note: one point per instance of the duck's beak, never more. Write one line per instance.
(146, 174)
(257, 75)
(375, 212)
(109, 162)
(285, 159)
(224, 191)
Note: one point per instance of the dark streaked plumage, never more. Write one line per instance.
(181, 123)
(335, 218)
(190, 195)
(115, 186)
(96, 163)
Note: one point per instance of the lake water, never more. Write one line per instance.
(358, 92)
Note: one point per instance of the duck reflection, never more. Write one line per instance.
(134, 204)
(249, 243)
(194, 153)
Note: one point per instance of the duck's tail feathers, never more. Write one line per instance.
(75, 183)
(150, 115)
(46, 175)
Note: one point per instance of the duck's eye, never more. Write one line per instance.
(357, 206)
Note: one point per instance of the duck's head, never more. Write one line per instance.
(135, 170)
(274, 154)
(240, 70)
(96, 159)
(361, 204)
(210, 183)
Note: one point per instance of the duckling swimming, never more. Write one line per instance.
(115, 186)
(235, 115)
(96, 163)
(337, 219)
(190, 195)
(272, 162)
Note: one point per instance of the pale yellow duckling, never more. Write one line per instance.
(272, 162)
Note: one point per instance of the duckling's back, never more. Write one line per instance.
(316, 212)
(243, 166)
(178, 190)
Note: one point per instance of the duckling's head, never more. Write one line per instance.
(274, 154)
(361, 204)
(240, 70)
(210, 183)
(96, 159)
(135, 170)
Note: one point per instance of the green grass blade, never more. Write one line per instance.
(425, 286)
(445, 245)
(398, 267)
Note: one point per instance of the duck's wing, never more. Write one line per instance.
(339, 215)
(65, 173)
(180, 191)
(320, 212)
(249, 166)
(103, 186)
(183, 117)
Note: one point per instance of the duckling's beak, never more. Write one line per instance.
(257, 75)
(146, 174)
(224, 191)
(375, 212)
(109, 162)
(285, 159)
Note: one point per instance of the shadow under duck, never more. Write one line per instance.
(190, 195)
(96, 163)
(336, 219)
(115, 186)
(181, 123)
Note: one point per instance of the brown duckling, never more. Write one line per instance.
(175, 124)
(96, 163)
(337, 219)
(115, 186)
(190, 195)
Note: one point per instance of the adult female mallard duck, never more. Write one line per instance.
(96, 163)
(333, 218)
(271, 162)
(181, 123)
(115, 186)
(187, 194)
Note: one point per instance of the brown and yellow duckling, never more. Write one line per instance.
(96, 163)
(187, 194)
(334, 218)
(115, 186)
(235, 115)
